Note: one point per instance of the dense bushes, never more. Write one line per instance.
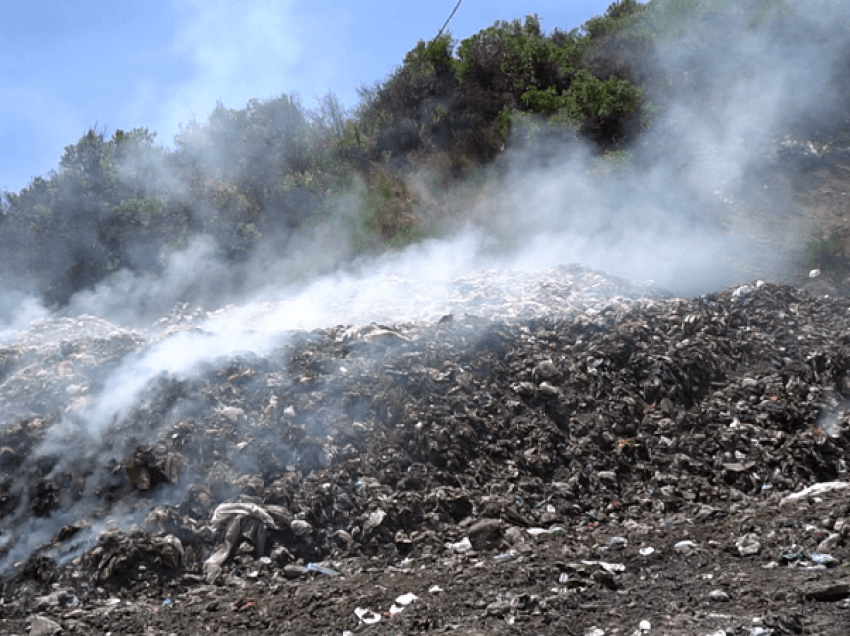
(70, 229)
(274, 169)
(467, 100)
(125, 203)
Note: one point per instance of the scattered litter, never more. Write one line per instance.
(613, 568)
(789, 555)
(464, 545)
(748, 545)
(823, 559)
(406, 599)
(403, 601)
(536, 532)
(816, 489)
(315, 567)
(741, 292)
(367, 616)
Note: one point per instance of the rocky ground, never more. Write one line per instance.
(596, 459)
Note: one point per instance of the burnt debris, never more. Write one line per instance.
(607, 430)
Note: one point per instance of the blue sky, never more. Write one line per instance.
(67, 66)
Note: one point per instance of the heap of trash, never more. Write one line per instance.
(591, 458)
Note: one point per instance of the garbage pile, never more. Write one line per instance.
(609, 464)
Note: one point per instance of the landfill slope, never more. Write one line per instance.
(581, 462)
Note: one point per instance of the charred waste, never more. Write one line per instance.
(323, 371)
(603, 419)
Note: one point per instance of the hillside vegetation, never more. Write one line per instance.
(276, 174)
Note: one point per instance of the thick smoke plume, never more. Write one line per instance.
(678, 212)
(683, 211)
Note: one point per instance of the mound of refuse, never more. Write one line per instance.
(565, 453)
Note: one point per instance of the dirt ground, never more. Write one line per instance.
(545, 587)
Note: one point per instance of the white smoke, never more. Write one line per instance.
(666, 217)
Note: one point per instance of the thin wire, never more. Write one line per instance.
(446, 23)
(440, 32)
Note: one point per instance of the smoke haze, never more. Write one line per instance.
(670, 216)
(676, 214)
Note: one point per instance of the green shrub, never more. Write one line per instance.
(275, 168)
(428, 59)
(513, 67)
(139, 211)
(406, 235)
(825, 250)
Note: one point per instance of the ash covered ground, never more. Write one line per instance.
(550, 453)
